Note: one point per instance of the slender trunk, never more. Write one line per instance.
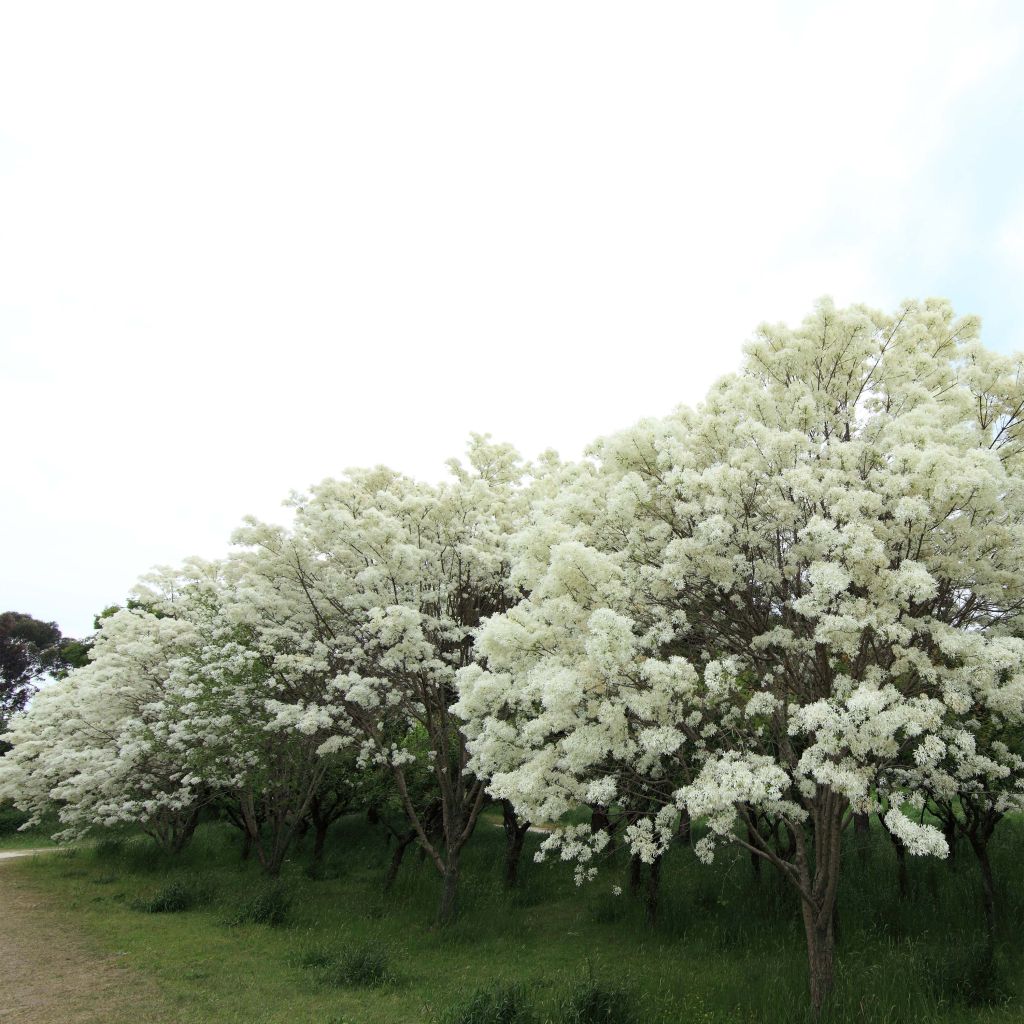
(515, 836)
(636, 868)
(320, 841)
(755, 858)
(274, 860)
(599, 818)
(988, 889)
(685, 831)
(949, 830)
(862, 834)
(182, 836)
(902, 878)
(653, 891)
(449, 890)
(246, 845)
(404, 842)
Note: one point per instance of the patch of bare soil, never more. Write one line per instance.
(49, 975)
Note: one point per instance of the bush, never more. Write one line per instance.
(175, 897)
(503, 1004)
(270, 905)
(595, 1002)
(365, 965)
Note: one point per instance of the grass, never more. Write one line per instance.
(727, 949)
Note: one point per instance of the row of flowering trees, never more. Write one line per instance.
(795, 606)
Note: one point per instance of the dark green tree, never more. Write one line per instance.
(30, 648)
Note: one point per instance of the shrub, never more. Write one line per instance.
(270, 905)
(175, 897)
(595, 1002)
(365, 965)
(502, 1004)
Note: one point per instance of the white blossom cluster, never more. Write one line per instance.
(795, 603)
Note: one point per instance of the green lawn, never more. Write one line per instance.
(727, 948)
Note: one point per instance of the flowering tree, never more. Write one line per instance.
(972, 774)
(100, 746)
(783, 597)
(228, 694)
(388, 579)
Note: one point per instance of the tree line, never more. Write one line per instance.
(789, 609)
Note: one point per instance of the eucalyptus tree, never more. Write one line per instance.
(784, 596)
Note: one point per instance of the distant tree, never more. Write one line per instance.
(28, 649)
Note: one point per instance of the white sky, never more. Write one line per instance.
(244, 246)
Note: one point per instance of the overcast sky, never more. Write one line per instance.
(245, 246)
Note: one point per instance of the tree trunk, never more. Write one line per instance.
(636, 868)
(319, 842)
(902, 878)
(515, 836)
(183, 836)
(598, 818)
(949, 831)
(653, 891)
(988, 890)
(862, 835)
(449, 890)
(820, 957)
(685, 831)
(755, 858)
(246, 844)
(404, 842)
(817, 871)
(273, 861)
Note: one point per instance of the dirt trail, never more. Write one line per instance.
(48, 975)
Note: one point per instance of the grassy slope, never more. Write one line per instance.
(727, 948)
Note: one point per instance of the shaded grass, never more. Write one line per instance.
(728, 949)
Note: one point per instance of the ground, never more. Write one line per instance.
(49, 971)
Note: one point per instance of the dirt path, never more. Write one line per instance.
(49, 975)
